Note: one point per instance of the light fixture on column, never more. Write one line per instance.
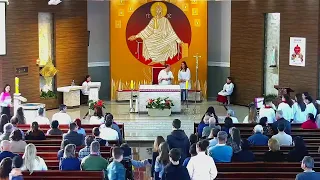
(54, 2)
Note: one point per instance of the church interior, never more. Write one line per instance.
(145, 66)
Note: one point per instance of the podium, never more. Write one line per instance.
(94, 88)
(283, 90)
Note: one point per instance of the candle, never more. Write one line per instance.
(131, 85)
(16, 80)
(187, 84)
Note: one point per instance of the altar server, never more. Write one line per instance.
(165, 76)
(85, 85)
(226, 91)
(184, 76)
(310, 106)
(299, 109)
(268, 111)
(286, 107)
(6, 100)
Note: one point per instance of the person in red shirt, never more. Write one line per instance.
(310, 123)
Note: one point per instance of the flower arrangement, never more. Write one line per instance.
(93, 104)
(160, 103)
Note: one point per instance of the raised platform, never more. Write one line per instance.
(141, 127)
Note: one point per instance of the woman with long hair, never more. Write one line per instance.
(5, 168)
(35, 133)
(204, 123)
(184, 76)
(266, 128)
(6, 101)
(310, 123)
(4, 119)
(69, 162)
(97, 117)
(235, 140)
(252, 117)
(286, 107)
(64, 143)
(299, 109)
(310, 106)
(228, 123)
(155, 152)
(162, 160)
(299, 150)
(212, 113)
(32, 162)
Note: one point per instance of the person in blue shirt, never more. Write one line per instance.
(6, 150)
(258, 139)
(307, 165)
(193, 152)
(221, 152)
(115, 170)
(16, 173)
(69, 162)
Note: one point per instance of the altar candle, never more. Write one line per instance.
(131, 84)
(16, 80)
(187, 84)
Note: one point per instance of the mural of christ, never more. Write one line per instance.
(160, 41)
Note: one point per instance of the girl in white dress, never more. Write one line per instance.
(299, 110)
(97, 117)
(310, 106)
(184, 76)
(286, 107)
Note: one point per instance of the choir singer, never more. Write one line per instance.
(165, 76)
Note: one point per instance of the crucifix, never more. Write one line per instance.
(195, 96)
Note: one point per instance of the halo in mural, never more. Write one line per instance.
(157, 33)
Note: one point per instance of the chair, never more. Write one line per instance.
(155, 73)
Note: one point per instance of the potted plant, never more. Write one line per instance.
(159, 107)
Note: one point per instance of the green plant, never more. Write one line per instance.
(48, 95)
(159, 103)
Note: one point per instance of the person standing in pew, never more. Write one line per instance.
(299, 150)
(86, 150)
(94, 161)
(73, 136)
(274, 154)
(6, 150)
(35, 133)
(69, 162)
(32, 162)
(116, 170)
(281, 120)
(54, 128)
(174, 170)
(307, 165)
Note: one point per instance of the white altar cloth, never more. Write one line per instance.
(154, 91)
(31, 111)
(71, 95)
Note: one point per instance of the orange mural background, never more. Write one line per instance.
(125, 67)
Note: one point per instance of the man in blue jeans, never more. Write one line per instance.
(221, 152)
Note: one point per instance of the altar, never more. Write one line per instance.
(173, 92)
(71, 95)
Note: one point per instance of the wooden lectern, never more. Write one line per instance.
(283, 90)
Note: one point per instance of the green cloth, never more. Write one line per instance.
(94, 163)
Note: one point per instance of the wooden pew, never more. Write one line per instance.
(256, 175)
(57, 142)
(53, 155)
(57, 148)
(64, 175)
(65, 128)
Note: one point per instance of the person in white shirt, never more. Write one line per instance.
(62, 117)
(283, 138)
(268, 111)
(97, 117)
(32, 162)
(286, 107)
(310, 106)
(41, 119)
(85, 86)
(299, 109)
(165, 76)
(202, 166)
(226, 91)
(107, 133)
(184, 76)
(230, 114)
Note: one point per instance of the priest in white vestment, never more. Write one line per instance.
(226, 91)
(165, 76)
(160, 42)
